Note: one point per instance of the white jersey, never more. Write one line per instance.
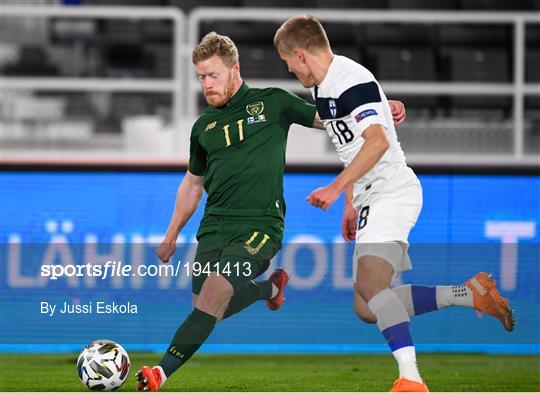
(348, 101)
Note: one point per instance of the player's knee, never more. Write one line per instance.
(365, 316)
(362, 310)
(216, 290)
(365, 290)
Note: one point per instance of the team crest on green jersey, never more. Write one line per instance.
(255, 108)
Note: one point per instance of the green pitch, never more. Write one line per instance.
(456, 372)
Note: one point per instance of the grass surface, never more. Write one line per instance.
(455, 372)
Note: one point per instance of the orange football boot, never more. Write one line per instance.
(279, 278)
(148, 379)
(487, 299)
(406, 385)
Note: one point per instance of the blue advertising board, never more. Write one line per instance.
(469, 223)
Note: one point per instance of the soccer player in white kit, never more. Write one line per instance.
(383, 196)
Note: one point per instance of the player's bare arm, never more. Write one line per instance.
(398, 114)
(188, 196)
(371, 152)
(350, 215)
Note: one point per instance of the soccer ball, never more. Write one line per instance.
(103, 365)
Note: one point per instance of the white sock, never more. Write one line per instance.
(163, 376)
(391, 314)
(455, 295)
(406, 359)
(275, 291)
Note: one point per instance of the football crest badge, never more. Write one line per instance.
(255, 108)
(332, 105)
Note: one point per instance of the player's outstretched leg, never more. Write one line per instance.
(249, 294)
(209, 307)
(271, 290)
(373, 278)
(480, 293)
(189, 340)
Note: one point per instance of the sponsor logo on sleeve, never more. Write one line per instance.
(362, 115)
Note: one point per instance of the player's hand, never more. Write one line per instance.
(166, 249)
(398, 112)
(348, 223)
(323, 197)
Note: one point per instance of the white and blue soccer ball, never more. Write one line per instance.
(103, 365)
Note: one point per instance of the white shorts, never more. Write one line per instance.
(386, 215)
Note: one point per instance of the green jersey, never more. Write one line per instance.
(240, 150)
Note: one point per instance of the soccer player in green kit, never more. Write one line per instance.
(237, 155)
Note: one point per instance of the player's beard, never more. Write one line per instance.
(226, 95)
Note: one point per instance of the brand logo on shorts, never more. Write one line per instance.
(255, 108)
(251, 250)
(333, 108)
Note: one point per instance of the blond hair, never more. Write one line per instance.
(304, 32)
(216, 44)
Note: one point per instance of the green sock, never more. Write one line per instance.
(187, 340)
(253, 291)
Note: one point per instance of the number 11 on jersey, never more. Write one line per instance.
(240, 124)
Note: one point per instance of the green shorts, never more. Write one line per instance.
(237, 249)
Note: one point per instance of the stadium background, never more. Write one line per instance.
(97, 103)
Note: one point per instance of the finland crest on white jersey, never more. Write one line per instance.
(348, 101)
